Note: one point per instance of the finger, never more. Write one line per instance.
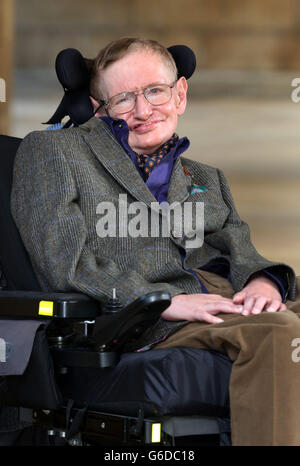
(239, 297)
(248, 304)
(283, 307)
(209, 318)
(274, 305)
(254, 305)
(258, 305)
(215, 307)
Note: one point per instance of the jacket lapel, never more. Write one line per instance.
(180, 184)
(112, 156)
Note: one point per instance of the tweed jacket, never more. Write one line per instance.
(60, 180)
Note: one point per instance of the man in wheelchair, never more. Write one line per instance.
(74, 193)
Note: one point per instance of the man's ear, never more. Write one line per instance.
(95, 105)
(181, 95)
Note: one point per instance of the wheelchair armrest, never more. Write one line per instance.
(112, 329)
(39, 304)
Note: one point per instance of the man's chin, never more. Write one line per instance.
(147, 144)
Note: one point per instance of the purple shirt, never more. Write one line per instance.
(158, 183)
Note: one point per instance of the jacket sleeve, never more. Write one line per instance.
(45, 207)
(235, 242)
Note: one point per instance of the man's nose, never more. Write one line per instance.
(143, 108)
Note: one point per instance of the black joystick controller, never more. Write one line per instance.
(113, 305)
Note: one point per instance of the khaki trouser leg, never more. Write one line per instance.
(265, 381)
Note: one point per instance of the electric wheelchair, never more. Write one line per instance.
(65, 375)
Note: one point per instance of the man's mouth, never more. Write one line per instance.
(144, 127)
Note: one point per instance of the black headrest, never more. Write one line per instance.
(73, 74)
(185, 60)
(71, 70)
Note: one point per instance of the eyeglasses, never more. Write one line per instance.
(158, 94)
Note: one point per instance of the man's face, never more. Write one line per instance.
(149, 126)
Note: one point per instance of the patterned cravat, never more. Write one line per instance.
(147, 162)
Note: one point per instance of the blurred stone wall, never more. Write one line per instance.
(236, 34)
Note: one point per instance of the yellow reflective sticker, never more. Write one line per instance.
(156, 433)
(46, 308)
